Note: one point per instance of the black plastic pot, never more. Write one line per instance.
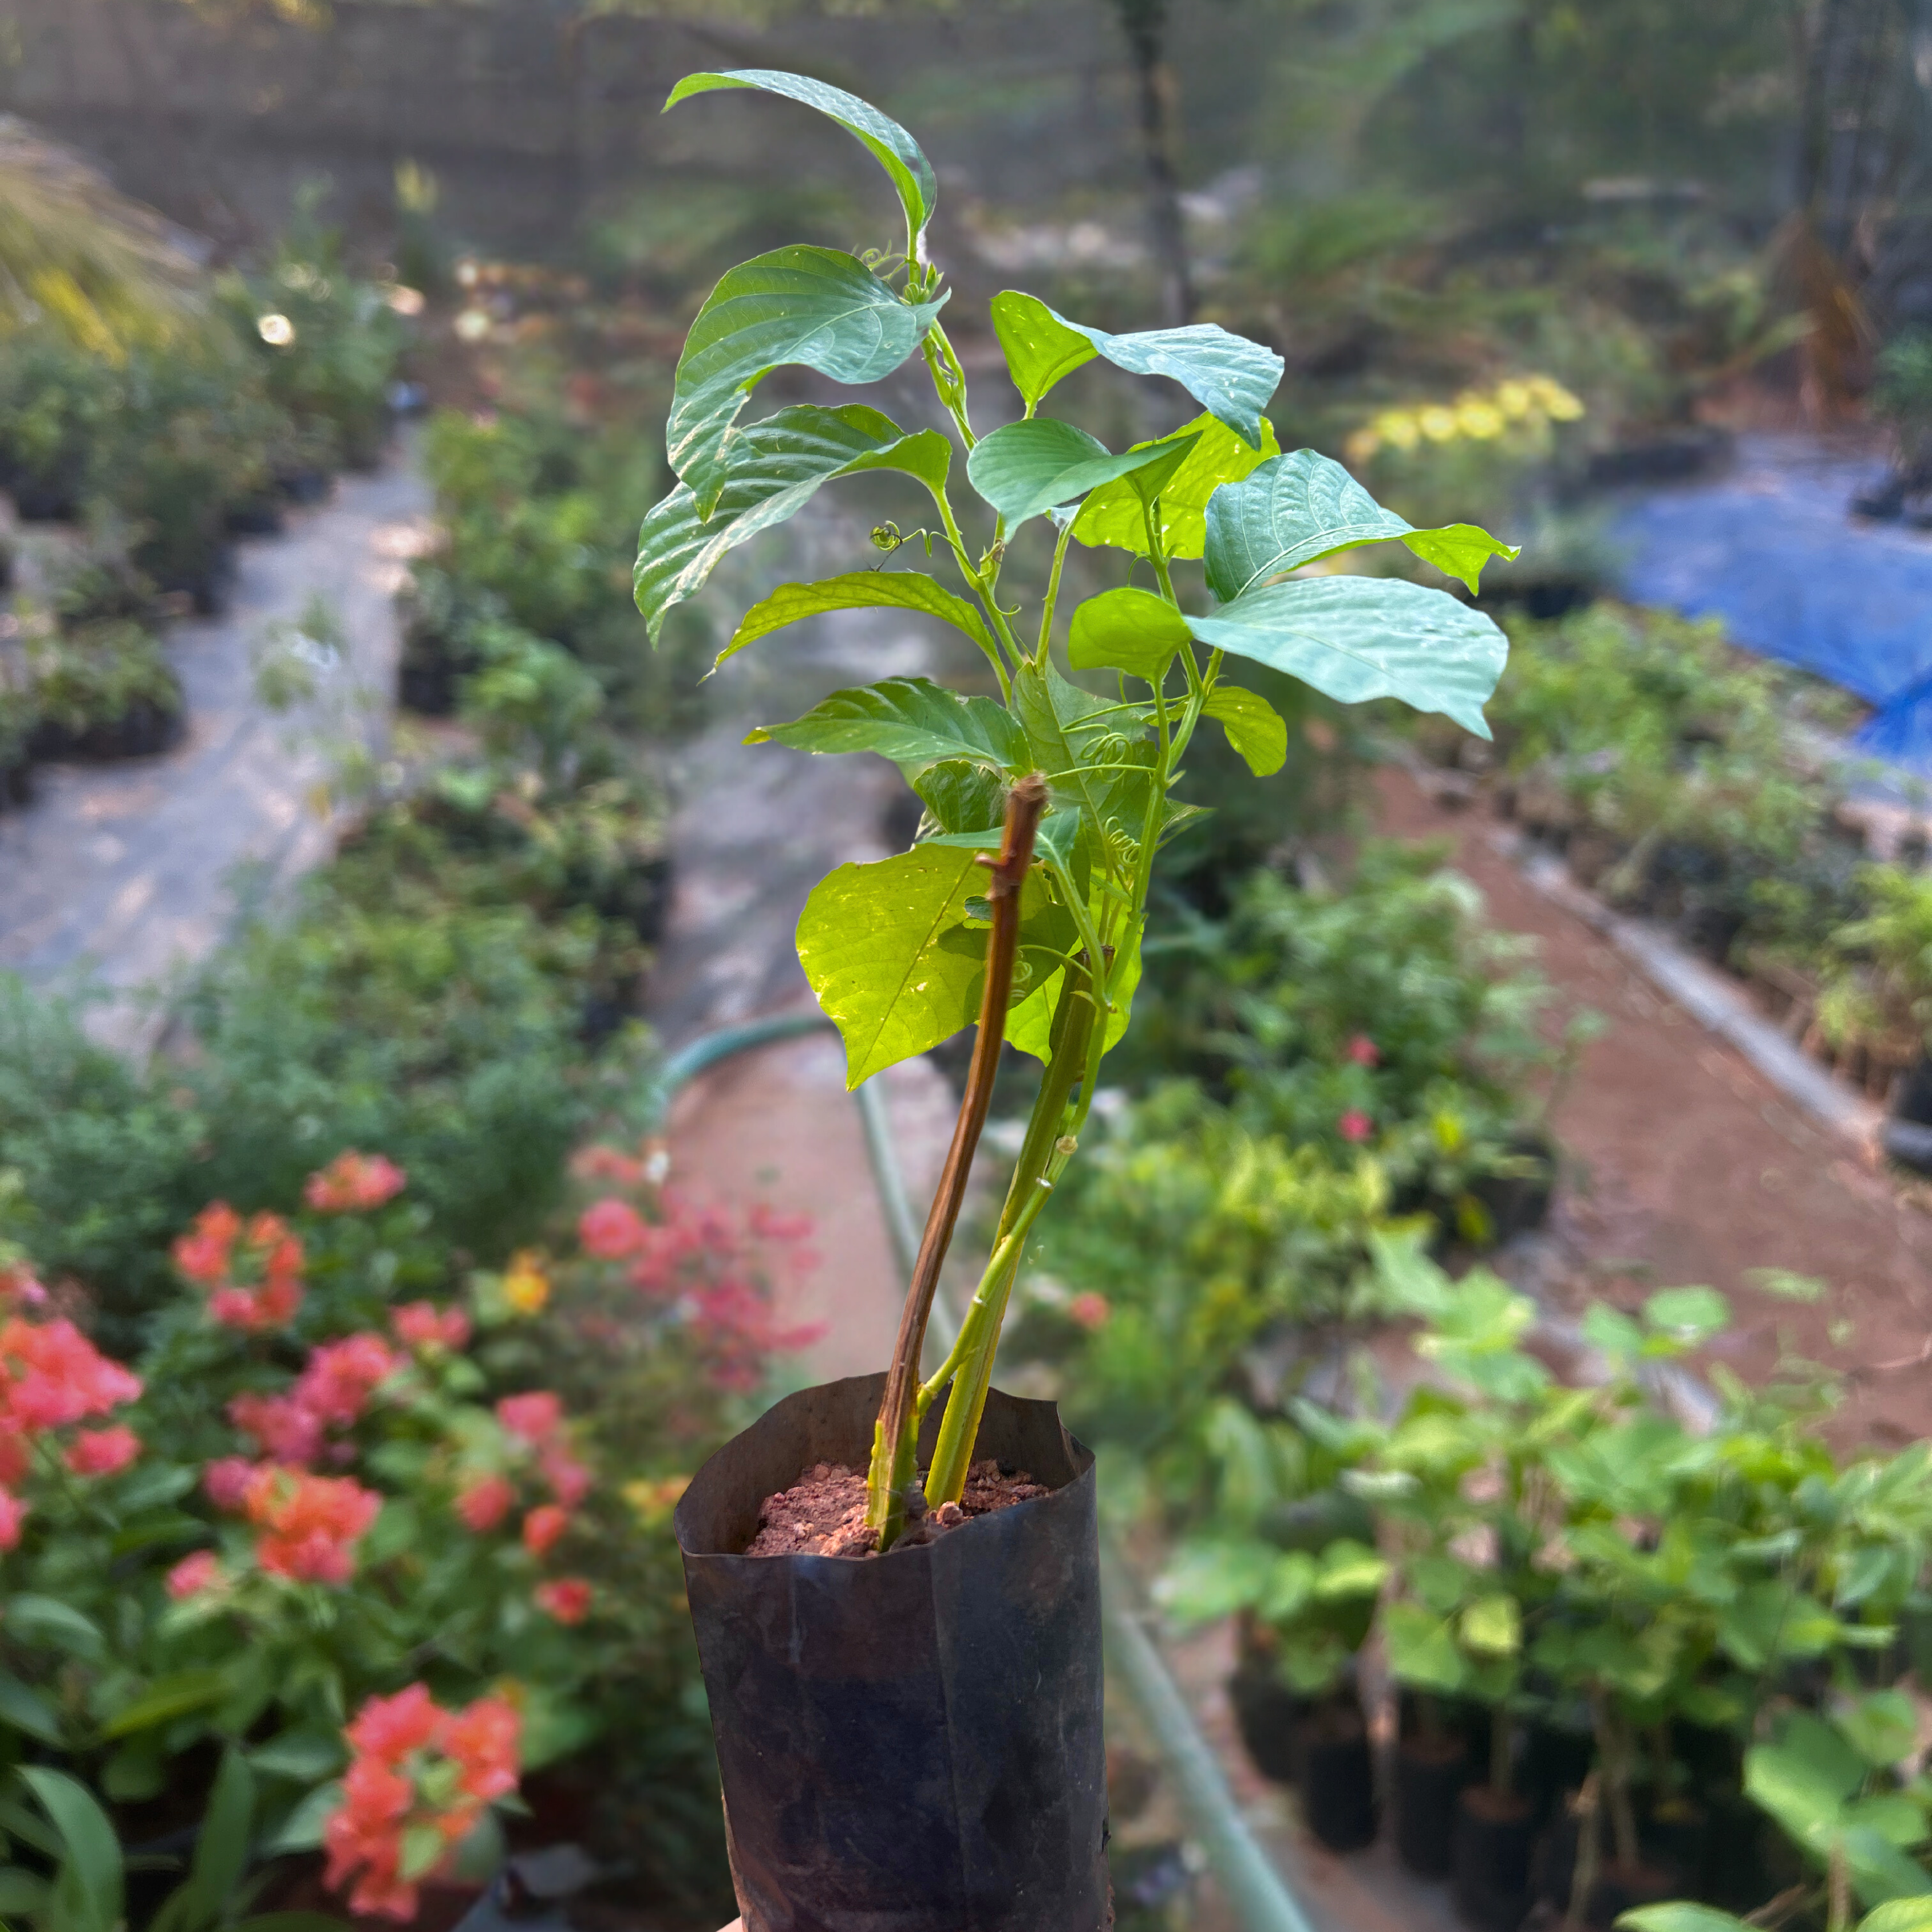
(910, 1743)
(1337, 1773)
(1429, 1775)
(1676, 1837)
(1490, 1859)
(1555, 1761)
(1269, 1716)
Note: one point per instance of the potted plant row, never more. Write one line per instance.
(1607, 1626)
(894, 1579)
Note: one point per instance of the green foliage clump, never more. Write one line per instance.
(91, 676)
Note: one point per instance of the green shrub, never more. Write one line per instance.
(99, 674)
(56, 402)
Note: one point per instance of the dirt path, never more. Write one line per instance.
(1688, 1165)
(125, 870)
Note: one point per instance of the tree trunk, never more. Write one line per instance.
(1144, 23)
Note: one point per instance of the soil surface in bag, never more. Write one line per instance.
(911, 1743)
(823, 1513)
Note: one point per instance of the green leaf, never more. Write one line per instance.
(1880, 1871)
(301, 1754)
(1359, 637)
(1231, 378)
(888, 955)
(1025, 468)
(962, 794)
(26, 1710)
(302, 1830)
(1088, 748)
(1114, 514)
(1255, 729)
(423, 1849)
(1350, 1569)
(1130, 630)
(21, 1892)
(1899, 1914)
(168, 1697)
(1295, 510)
(221, 1851)
(910, 720)
(1883, 1726)
(1681, 1915)
(863, 590)
(1211, 1578)
(87, 1887)
(777, 465)
(1492, 1626)
(1422, 1648)
(819, 308)
(1691, 1315)
(1460, 550)
(289, 1921)
(1804, 1797)
(36, 1619)
(891, 146)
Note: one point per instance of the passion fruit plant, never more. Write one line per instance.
(1067, 795)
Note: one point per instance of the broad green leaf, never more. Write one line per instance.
(861, 590)
(1460, 550)
(1359, 637)
(1492, 1626)
(1113, 514)
(221, 1851)
(1211, 1578)
(1899, 1914)
(1231, 378)
(1030, 1024)
(1089, 749)
(818, 307)
(302, 1753)
(1896, 1816)
(1255, 729)
(1129, 629)
(1025, 468)
(962, 794)
(168, 1697)
(1879, 1870)
(1350, 1569)
(1805, 1799)
(424, 1849)
(910, 720)
(1422, 1648)
(1681, 1915)
(1692, 1315)
(778, 465)
(890, 955)
(302, 1830)
(1296, 509)
(87, 1887)
(891, 146)
(26, 1710)
(21, 1892)
(1883, 1726)
(36, 1619)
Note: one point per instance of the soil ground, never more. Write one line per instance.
(1686, 1165)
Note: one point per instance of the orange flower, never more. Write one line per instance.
(354, 1183)
(565, 1598)
(542, 1527)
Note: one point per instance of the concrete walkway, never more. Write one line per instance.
(125, 872)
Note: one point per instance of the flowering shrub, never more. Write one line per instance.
(333, 1487)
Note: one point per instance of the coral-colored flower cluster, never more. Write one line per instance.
(421, 1325)
(699, 1255)
(533, 1426)
(252, 1271)
(52, 1376)
(309, 1525)
(331, 1392)
(417, 1769)
(354, 1183)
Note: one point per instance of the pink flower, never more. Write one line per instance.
(13, 1514)
(768, 1224)
(1091, 1311)
(535, 1417)
(423, 1325)
(227, 1479)
(340, 1376)
(565, 1598)
(1354, 1125)
(1363, 1051)
(51, 1375)
(202, 1254)
(310, 1525)
(193, 1574)
(542, 1527)
(569, 1480)
(100, 1452)
(389, 1728)
(485, 1503)
(483, 1739)
(611, 1229)
(287, 1430)
(354, 1183)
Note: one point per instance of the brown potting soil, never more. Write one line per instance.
(823, 1513)
(1493, 1807)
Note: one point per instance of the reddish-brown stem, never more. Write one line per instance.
(894, 1442)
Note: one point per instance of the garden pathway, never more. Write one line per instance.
(126, 872)
(1688, 1165)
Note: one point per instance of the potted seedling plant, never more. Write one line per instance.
(905, 1690)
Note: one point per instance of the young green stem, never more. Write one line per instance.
(1045, 1151)
(1583, 1878)
(1613, 1758)
(895, 1438)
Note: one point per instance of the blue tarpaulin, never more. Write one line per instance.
(1770, 548)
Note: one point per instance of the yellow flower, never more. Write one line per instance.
(1479, 418)
(1398, 427)
(525, 1286)
(1437, 424)
(654, 1499)
(1361, 446)
(1514, 400)
(1557, 403)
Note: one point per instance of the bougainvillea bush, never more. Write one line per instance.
(381, 1547)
